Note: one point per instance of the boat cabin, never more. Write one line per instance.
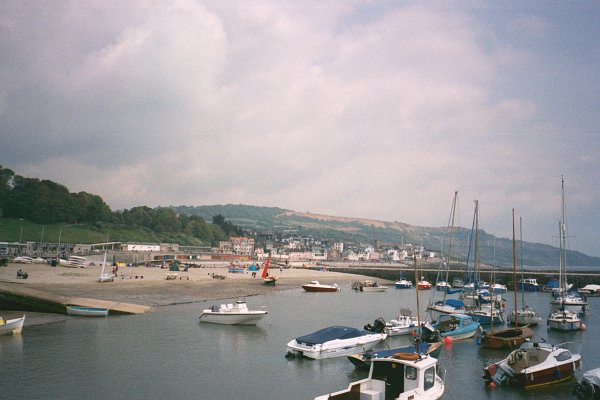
(390, 377)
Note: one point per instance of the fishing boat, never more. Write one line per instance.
(533, 364)
(403, 284)
(315, 286)
(232, 314)
(268, 279)
(11, 326)
(363, 360)
(87, 311)
(455, 326)
(588, 388)
(333, 341)
(401, 376)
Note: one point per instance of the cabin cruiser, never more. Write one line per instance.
(401, 376)
(333, 341)
(533, 364)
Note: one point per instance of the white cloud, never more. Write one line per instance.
(350, 108)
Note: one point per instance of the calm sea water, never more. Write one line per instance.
(170, 355)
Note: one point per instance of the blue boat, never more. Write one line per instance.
(363, 360)
(456, 326)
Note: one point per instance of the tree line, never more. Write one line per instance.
(48, 202)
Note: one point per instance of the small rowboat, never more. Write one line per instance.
(87, 311)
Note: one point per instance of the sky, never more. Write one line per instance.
(367, 109)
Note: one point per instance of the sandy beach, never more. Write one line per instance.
(149, 286)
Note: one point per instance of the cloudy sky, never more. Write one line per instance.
(370, 109)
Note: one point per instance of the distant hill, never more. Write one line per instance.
(357, 230)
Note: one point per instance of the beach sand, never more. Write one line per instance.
(149, 286)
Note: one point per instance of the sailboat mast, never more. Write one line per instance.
(515, 266)
(562, 239)
(417, 291)
(452, 214)
(521, 262)
(476, 244)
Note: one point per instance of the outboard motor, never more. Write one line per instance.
(377, 327)
(501, 374)
(430, 334)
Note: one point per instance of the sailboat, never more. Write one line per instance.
(105, 276)
(486, 313)
(513, 336)
(267, 279)
(524, 315)
(562, 317)
(446, 306)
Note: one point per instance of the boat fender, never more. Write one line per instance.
(407, 356)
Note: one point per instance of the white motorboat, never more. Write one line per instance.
(11, 326)
(368, 286)
(315, 286)
(232, 314)
(404, 324)
(401, 376)
(334, 341)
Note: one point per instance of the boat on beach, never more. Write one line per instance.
(533, 364)
(87, 311)
(333, 341)
(232, 314)
(402, 376)
(315, 286)
(11, 326)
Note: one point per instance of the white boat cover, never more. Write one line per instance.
(592, 376)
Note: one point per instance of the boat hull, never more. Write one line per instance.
(12, 326)
(508, 338)
(87, 311)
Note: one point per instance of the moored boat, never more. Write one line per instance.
(507, 338)
(423, 284)
(588, 388)
(524, 316)
(315, 286)
(403, 284)
(232, 314)
(533, 364)
(564, 321)
(363, 360)
(333, 341)
(528, 285)
(368, 286)
(456, 326)
(87, 311)
(401, 376)
(11, 326)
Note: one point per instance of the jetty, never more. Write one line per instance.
(20, 297)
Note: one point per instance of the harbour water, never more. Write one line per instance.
(168, 354)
